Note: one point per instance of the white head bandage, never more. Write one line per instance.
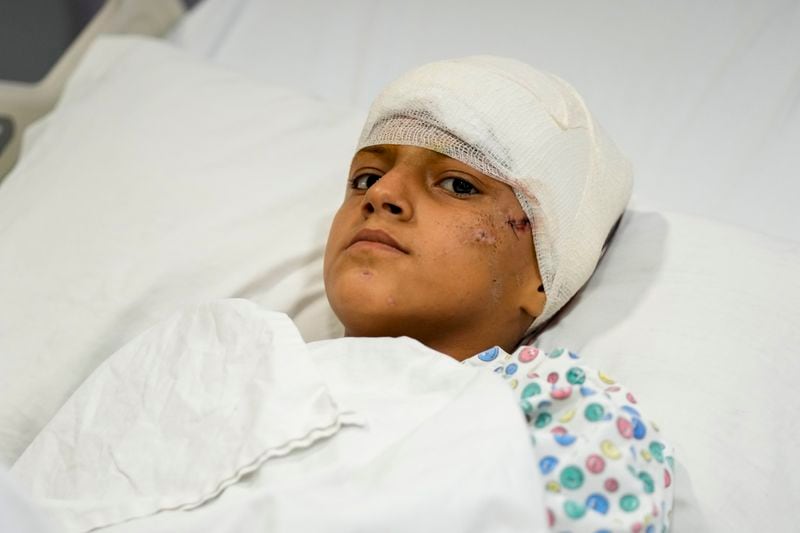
(528, 129)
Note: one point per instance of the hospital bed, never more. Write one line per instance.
(133, 195)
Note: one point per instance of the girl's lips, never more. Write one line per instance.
(376, 238)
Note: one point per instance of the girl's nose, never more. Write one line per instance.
(390, 196)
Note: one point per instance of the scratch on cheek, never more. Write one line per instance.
(483, 236)
(366, 274)
(497, 290)
(518, 225)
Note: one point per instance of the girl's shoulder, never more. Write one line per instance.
(604, 463)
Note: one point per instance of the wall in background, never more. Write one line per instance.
(34, 34)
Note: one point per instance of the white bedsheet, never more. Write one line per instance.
(221, 418)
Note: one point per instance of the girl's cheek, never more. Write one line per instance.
(517, 224)
(498, 228)
(484, 236)
(483, 231)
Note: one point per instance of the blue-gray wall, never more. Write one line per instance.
(34, 34)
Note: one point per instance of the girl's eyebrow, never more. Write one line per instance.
(382, 150)
(378, 150)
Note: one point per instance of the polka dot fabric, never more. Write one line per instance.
(604, 466)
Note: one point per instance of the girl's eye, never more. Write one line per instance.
(364, 181)
(459, 186)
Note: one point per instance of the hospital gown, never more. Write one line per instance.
(604, 466)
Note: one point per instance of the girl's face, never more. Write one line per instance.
(428, 247)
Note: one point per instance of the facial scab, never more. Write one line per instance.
(484, 236)
(518, 225)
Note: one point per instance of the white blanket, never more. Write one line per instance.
(221, 418)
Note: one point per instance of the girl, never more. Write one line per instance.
(479, 202)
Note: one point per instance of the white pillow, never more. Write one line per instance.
(700, 320)
(17, 513)
(157, 182)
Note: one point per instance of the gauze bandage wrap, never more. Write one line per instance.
(530, 130)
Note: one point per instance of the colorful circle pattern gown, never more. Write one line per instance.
(605, 467)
